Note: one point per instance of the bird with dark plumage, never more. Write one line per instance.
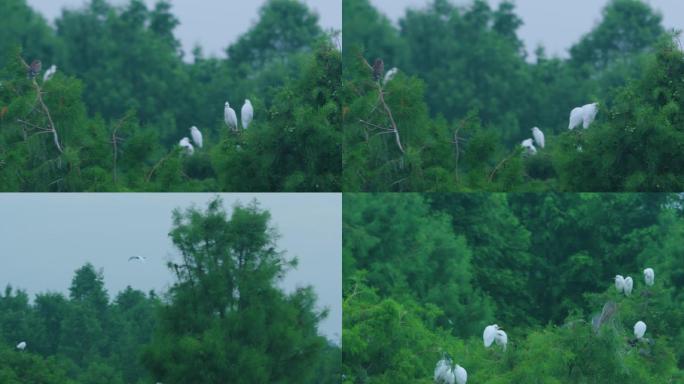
(34, 68)
(378, 69)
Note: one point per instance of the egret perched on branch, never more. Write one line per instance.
(185, 144)
(629, 284)
(229, 117)
(137, 258)
(501, 339)
(390, 75)
(196, 136)
(584, 115)
(489, 335)
(529, 147)
(639, 329)
(461, 374)
(49, 73)
(620, 283)
(649, 276)
(247, 114)
(538, 137)
(443, 372)
(21, 346)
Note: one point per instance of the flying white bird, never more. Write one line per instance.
(489, 335)
(639, 329)
(461, 374)
(137, 258)
(649, 276)
(538, 137)
(390, 75)
(501, 338)
(230, 117)
(246, 114)
(443, 372)
(629, 284)
(620, 283)
(21, 346)
(49, 73)
(529, 147)
(196, 136)
(185, 143)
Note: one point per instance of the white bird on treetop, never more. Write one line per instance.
(529, 147)
(49, 73)
(443, 372)
(639, 329)
(196, 136)
(489, 334)
(247, 114)
(185, 144)
(21, 346)
(461, 374)
(501, 338)
(538, 137)
(629, 284)
(584, 115)
(230, 117)
(649, 276)
(620, 283)
(390, 75)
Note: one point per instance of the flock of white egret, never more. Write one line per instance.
(584, 116)
(230, 118)
(448, 373)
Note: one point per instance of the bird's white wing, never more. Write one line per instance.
(649, 276)
(576, 118)
(629, 284)
(501, 338)
(489, 335)
(539, 137)
(620, 283)
(197, 137)
(231, 119)
(589, 113)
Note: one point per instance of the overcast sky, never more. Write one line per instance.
(556, 24)
(213, 24)
(44, 238)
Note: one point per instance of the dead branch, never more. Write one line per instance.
(39, 99)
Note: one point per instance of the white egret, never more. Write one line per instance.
(589, 113)
(576, 118)
(529, 147)
(649, 276)
(639, 329)
(49, 73)
(501, 338)
(390, 75)
(629, 284)
(489, 334)
(443, 372)
(230, 117)
(21, 346)
(196, 136)
(247, 114)
(185, 144)
(461, 375)
(620, 283)
(538, 137)
(137, 258)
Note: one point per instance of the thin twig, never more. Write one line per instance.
(500, 165)
(154, 169)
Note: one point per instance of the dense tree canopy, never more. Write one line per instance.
(225, 319)
(424, 275)
(468, 94)
(125, 94)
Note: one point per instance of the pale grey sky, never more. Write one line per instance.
(556, 24)
(44, 238)
(213, 24)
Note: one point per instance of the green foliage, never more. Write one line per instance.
(124, 96)
(468, 94)
(539, 265)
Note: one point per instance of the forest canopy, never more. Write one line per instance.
(467, 94)
(124, 94)
(425, 273)
(223, 319)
